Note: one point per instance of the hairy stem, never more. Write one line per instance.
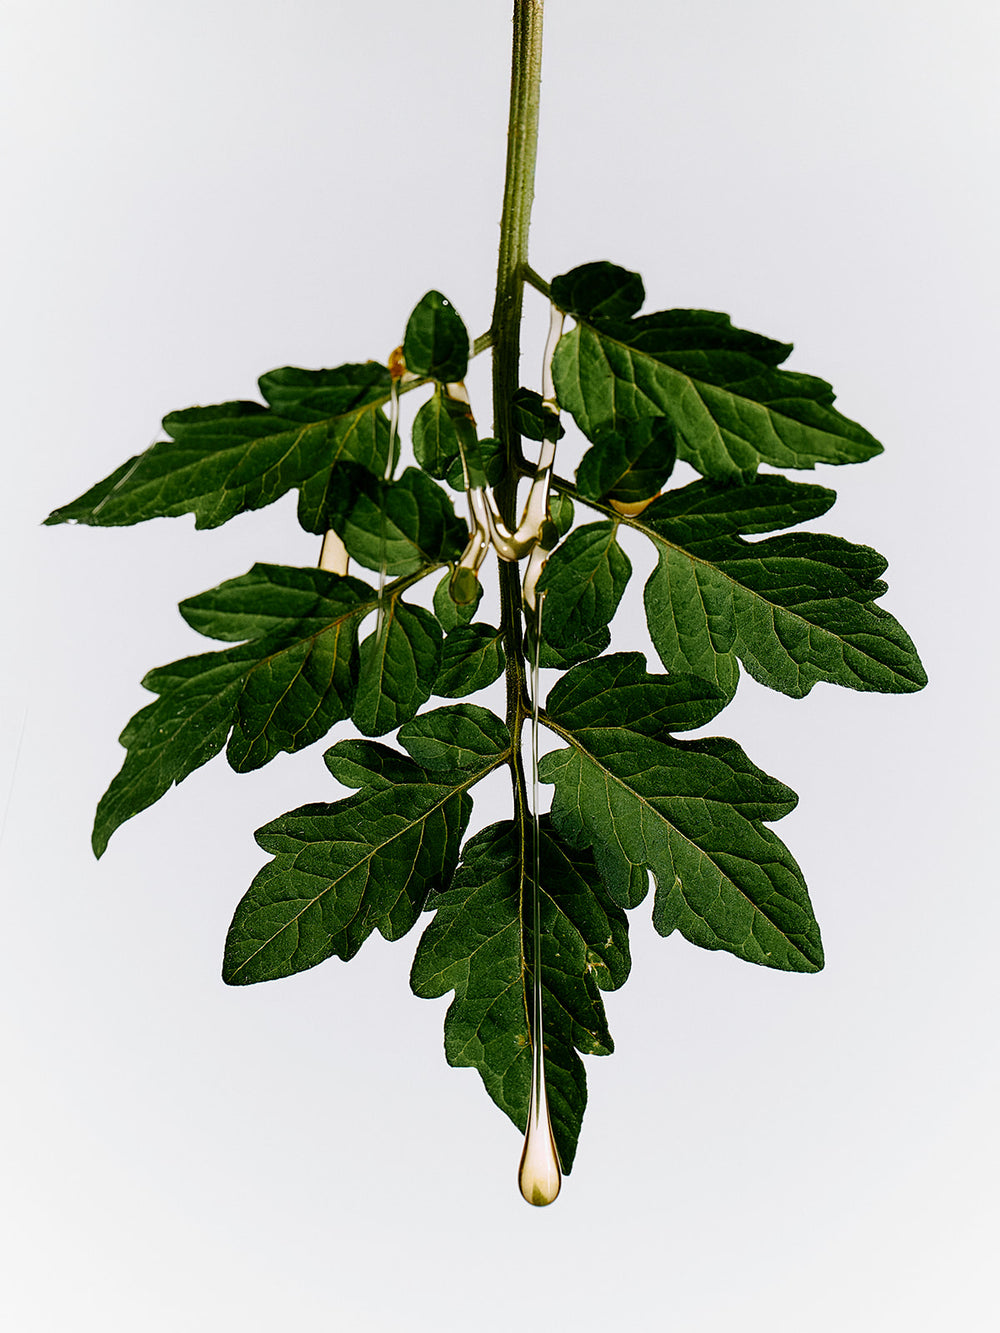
(519, 188)
(512, 267)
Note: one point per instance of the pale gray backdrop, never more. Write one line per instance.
(198, 192)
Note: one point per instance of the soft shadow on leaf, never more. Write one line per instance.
(435, 439)
(630, 463)
(534, 420)
(457, 736)
(450, 613)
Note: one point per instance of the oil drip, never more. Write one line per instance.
(539, 1175)
(396, 371)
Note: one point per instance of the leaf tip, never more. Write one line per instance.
(230, 973)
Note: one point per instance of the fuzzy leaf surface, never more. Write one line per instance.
(456, 736)
(435, 439)
(561, 656)
(421, 527)
(399, 664)
(479, 946)
(691, 812)
(534, 420)
(584, 579)
(486, 465)
(224, 460)
(450, 613)
(719, 386)
(472, 658)
(281, 690)
(629, 463)
(342, 870)
(795, 609)
(436, 344)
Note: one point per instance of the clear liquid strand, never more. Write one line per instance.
(383, 536)
(539, 1175)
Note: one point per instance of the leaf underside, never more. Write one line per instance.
(633, 804)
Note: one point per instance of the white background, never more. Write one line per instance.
(198, 192)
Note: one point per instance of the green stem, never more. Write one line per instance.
(515, 220)
(512, 267)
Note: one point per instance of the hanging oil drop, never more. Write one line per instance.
(539, 1175)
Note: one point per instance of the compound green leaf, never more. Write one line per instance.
(471, 659)
(341, 871)
(420, 527)
(795, 609)
(479, 946)
(718, 385)
(436, 344)
(224, 460)
(691, 812)
(282, 690)
(583, 582)
(399, 664)
(628, 463)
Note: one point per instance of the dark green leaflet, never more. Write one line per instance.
(283, 689)
(221, 461)
(719, 386)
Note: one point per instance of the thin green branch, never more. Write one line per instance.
(515, 221)
(539, 283)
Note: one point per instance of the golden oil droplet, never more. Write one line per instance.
(539, 1176)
